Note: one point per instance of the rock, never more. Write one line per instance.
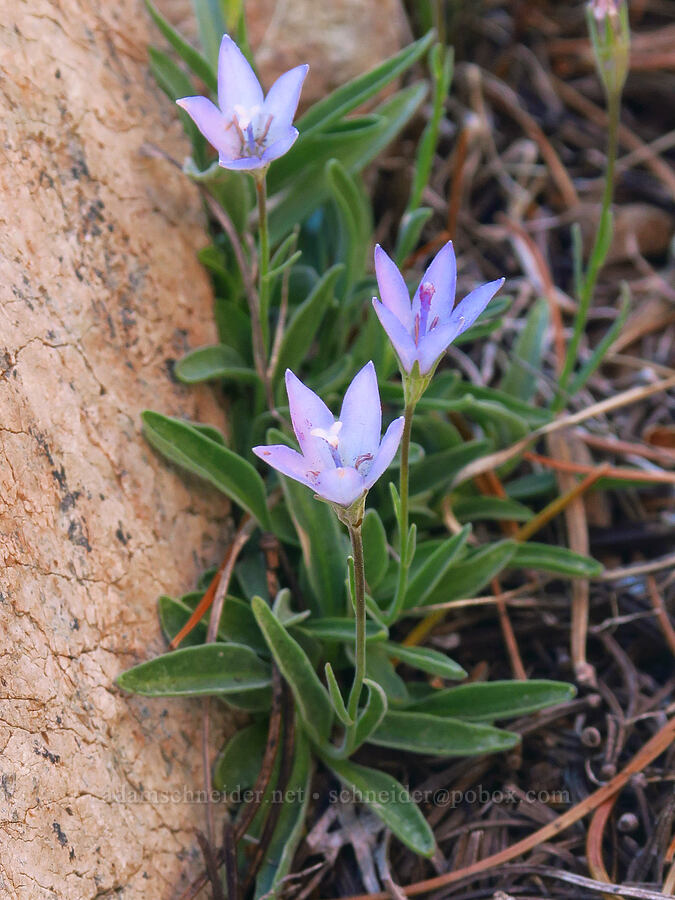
(101, 292)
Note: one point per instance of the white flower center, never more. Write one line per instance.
(330, 436)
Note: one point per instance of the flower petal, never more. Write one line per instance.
(435, 343)
(210, 121)
(465, 314)
(287, 461)
(386, 453)
(342, 486)
(361, 417)
(280, 146)
(308, 411)
(282, 99)
(442, 273)
(237, 83)
(245, 164)
(401, 340)
(467, 310)
(393, 291)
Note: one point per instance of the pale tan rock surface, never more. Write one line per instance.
(100, 289)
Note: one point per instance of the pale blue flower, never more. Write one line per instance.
(340, 459)
(247, 129)
(421, 331)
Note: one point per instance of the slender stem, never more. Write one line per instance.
(600, 249)
(404, 563)
(360, 609)
(264, 257)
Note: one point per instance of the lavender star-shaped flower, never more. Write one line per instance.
(248, 130)
(340, 459)
(421, 331)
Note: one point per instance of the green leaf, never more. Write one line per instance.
(175, 84)
(336, 696)
(212, 26)
(380, 669)
(473, 509)
(238, 766)
(375, 553)
(372, 713)
(426, 660)
(520, 378)
(237, 623)
(437, 470)
(558, 560)
(311, 698)
(441, 65)
(389, 800)
(421, 733)
(279, 855)
(344, 630)
(301, 330)
(473, 572)
(355, 143)
(193, 58)
(217, 361)
(487, 701)
(435, 569)
(599, 352)
(282, 609)
(356, 217)
(409, 232)
(230, 473)
(350, 96)
(320, 538)
(198, 671)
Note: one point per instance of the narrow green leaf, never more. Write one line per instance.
(380, 669)
(238, 766)
(279, 855)
(375, 553)
(227, 471)
(335, 629)
(217, 361)
(600, 351)
(487, 701)
(390, 801)
(520, 378)
(409, 232)
(372, 713)
(436, 470)
(473, 572)
(304, 323)
(350, 96)
(237, 623)
(558, 560)
(421, 733)
(435, 569)
(426, 660)
(198, 671)
(336, 696)
(311, 698)
(212, 26)
(193, 58)
(473, 509)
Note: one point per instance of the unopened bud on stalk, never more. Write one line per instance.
(610, 36)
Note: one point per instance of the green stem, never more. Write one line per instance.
(598, 256)
(360, 609)
(404, 563)
(264, 257)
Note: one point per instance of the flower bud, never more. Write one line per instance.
(610, 36)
